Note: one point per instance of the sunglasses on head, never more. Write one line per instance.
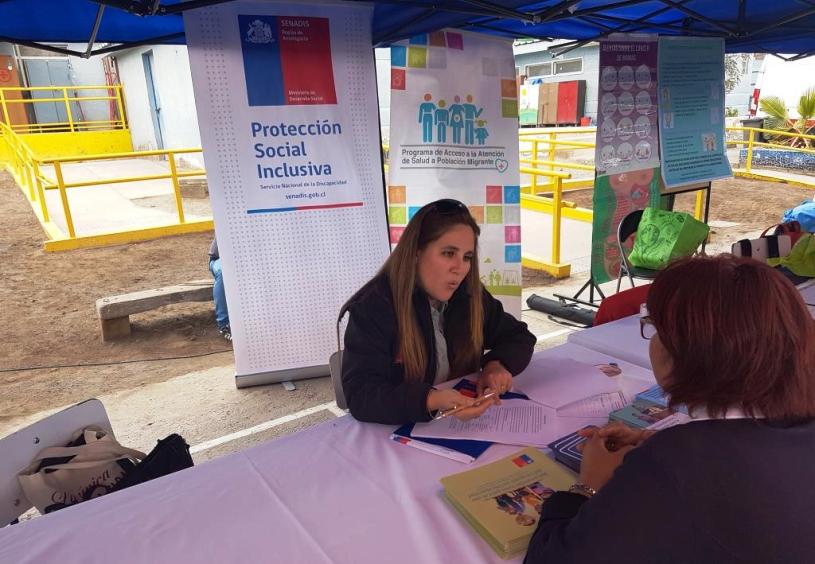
(448, 206)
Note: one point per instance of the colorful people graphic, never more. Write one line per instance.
(471, 112)
(481, 132)
(426, 110)
(441, 118)
(457, 116)
(457, 119)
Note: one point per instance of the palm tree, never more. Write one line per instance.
(778, 118)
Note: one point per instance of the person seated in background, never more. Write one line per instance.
(426, 318)
(732, 340)
(218, 292)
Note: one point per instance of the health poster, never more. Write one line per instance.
(627, 136)
(691, 116)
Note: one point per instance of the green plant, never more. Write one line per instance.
(778, 118)
(731, 112)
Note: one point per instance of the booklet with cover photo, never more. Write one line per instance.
(503, 500)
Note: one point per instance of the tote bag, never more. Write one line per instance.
(90, 466)
(663, 236)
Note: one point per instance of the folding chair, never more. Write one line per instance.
(19, 449)
(628, 227)
(335, 362)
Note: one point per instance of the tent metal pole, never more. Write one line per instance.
(643, 20)
(149, 41)
(507, 32)
(96, 24)
(42, 46)
(497, 9)
(697, 16)
(784, 21)
(663, 26)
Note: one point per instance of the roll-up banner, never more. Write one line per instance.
(454, 134)
(287, 106)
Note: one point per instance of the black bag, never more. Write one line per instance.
(169, 455)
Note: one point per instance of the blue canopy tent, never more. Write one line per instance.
(778, 26)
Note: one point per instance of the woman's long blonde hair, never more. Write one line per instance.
(431, 222)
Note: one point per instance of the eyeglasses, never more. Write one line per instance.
(647, 328)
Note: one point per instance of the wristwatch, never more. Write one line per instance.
(582, 489)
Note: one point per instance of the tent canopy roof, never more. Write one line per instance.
(768, 26)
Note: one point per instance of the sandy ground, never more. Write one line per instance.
(48, 319)
(48, 313)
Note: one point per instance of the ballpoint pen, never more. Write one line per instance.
(446, 412)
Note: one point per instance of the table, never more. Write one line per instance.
(338, 492)
(620, 338)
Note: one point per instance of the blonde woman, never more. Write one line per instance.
(425, 318)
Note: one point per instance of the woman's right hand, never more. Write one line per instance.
(468, 408)
(442, 400)
(617, 435)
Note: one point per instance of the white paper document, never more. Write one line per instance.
(514, 422)
(677, 418)
(596, 406)
(557, 382)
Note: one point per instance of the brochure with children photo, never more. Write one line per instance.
(503, 500)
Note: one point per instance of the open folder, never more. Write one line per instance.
(455, 449)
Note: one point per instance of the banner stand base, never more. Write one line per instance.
(278, 376)
(591, 287)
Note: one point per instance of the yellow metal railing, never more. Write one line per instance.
(69, 97)
(29, 171)
(752, 142)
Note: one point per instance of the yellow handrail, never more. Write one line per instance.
(27, 169)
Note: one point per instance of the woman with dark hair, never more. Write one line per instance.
(732, 340)
(426, 318)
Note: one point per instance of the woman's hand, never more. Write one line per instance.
(442, 400)
(599, 463)
(477, 410)
(617, 435)
(494, 377)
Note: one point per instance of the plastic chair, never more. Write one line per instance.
(19, 449)
(335, 363)
(628, 226)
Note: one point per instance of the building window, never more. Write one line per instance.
(566, 66)
(569, 66)
(542, 69)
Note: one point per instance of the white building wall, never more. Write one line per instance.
(173, 83)
(89, 72)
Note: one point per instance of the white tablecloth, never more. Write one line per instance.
(622, 338)
(619, 338)
(337, 492)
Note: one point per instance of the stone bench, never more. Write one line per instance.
(115, 311)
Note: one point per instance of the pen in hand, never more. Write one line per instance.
(452, 410)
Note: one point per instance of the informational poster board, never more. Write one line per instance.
(627, 137)
(454, 134)
(286, 100)
(691, 117)
(627, 154)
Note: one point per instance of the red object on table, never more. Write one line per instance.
(621, 304)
